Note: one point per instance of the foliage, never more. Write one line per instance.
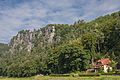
(113, 65)
(72, 58)
(73, 48)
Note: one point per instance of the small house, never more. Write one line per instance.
(103, 64)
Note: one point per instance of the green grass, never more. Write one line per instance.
(79, 78)
(65, 78)
(30, 78)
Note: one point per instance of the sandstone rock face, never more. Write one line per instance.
(26, 40)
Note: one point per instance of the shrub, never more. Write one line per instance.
(111, 73)
(59, 75)
(88, 74)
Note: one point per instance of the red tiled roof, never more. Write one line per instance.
(105, 61)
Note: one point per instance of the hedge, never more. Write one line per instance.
(60, 75)
(88, 74)
(76, 75)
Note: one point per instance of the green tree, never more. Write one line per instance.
(72, 58)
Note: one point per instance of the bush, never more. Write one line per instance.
(59, 75)
(117, 71)
(111, 73)
(88, 74)
(74, 75)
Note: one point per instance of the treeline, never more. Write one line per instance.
(3, 49)
(80, 45)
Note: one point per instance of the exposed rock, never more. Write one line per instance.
(25, 40)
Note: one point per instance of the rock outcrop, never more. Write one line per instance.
(25, 40)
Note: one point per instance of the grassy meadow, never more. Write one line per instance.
(65, 78)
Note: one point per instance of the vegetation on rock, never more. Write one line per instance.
(62, 48)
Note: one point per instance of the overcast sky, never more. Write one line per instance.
(16, 15)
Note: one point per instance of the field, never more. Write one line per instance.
(65, 78)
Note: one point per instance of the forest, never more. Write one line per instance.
(74, 47)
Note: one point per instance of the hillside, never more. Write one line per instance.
(63, 48)
(3, 48)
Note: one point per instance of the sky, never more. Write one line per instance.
(16, 15)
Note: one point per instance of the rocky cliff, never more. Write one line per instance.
(25, 40)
